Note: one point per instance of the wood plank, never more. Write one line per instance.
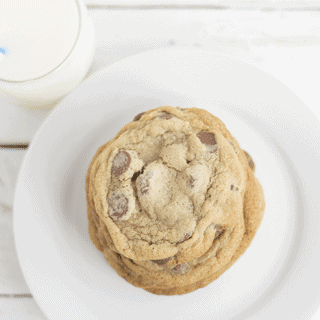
(264, 38)
(290, 5)
(15, 295)
(120, 33)
(17, 124)
(231, 25)
(11, 278)
(20, 309)
(285, 44)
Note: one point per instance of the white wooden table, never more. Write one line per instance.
(279, 38)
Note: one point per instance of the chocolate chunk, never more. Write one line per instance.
(209, 140)
(138, 116)
(218, 228)
(234, 188)
(120, 163)
(180, 268)
(137, 174)
(250, 161)
(192, 182)
(187, 236)
(118, 205)
(162, 262)
(143, 182)
(165, 116)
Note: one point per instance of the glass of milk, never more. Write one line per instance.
(46, 49)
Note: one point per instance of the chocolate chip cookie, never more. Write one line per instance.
(172, 200)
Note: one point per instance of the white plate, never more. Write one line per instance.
(277, 278)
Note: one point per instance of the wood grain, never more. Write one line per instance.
(14, 146)
(15, 295)
(12, 281)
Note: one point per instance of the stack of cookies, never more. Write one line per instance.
(172, 200)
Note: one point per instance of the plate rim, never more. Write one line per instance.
(65, 101)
